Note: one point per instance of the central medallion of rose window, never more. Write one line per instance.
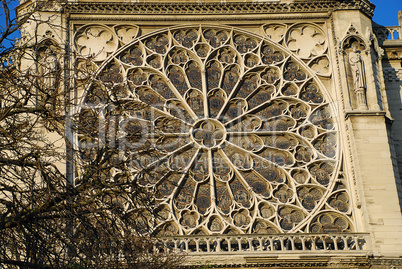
(209, 133)
(239, 135)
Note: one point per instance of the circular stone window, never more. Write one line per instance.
(236, 135)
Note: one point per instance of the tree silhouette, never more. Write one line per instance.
(56, 210)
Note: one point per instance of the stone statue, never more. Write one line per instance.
(48, 70)
(359, 79)
(356, 65)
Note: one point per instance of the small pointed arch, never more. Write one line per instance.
(351, 36)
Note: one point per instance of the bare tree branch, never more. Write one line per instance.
(45, 221)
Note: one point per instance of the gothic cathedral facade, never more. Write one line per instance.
(276, 125)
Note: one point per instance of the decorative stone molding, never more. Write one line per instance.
(316, 261)
(218, 8)
(349, 114)
(390, 262)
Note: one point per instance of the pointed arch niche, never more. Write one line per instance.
(243, 134)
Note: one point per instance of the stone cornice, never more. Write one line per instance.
(393, 52)
(311, 262)
(390, 261)
(364, 113)
(217, 8)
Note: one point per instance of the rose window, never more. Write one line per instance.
(209, 133)
(238, 134)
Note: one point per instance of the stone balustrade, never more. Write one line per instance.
(388, 33)
(284, 243)
(395, 32)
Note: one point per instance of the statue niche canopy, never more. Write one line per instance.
(240, 136)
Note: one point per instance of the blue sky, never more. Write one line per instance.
(386, 11)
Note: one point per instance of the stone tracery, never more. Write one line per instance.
(96, 41)
(245, 140)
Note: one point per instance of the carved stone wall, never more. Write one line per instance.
(254, 120)
(245, 138)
